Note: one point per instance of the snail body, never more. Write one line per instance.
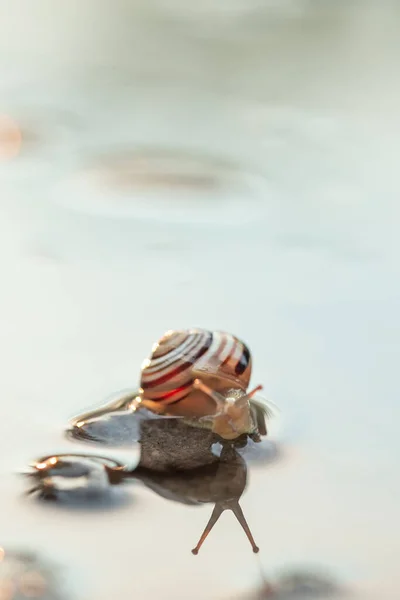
(203, 376)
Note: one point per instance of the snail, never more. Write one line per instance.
(202, 377)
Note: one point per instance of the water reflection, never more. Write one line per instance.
(179, 462)
(76, 474)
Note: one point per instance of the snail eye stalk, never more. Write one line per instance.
(216, 396)
(249, 395)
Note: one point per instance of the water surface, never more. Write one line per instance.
(293, 111)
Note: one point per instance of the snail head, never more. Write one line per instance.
(232, 417)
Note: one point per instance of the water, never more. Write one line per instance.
(291, 110)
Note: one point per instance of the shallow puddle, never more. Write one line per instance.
(229, 168)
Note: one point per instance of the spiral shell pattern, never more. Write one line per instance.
(181, 356)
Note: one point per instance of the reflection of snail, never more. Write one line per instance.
(202, 377)
(222, 483)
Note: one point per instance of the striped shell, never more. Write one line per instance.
(179, 357)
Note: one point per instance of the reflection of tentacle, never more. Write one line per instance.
(237, 511)
(216, 513)
(219, 508)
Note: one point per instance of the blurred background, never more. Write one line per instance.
(228, 164)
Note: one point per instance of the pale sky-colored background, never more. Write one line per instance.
(292, 110)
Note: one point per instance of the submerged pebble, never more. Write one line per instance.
(298, 585)
(23, 574)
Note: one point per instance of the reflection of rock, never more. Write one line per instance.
(24, 575)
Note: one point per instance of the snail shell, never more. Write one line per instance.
(218, 359)
(180, 356)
